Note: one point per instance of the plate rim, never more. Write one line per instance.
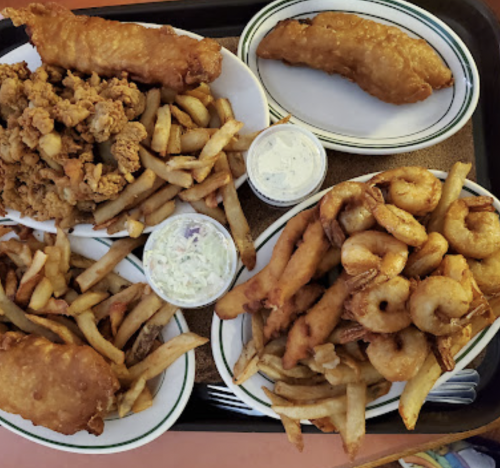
(464, 357)
(333, 140)
(151, 434)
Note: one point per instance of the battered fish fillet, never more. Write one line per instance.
(91, 44)
(382, 60)
(65, 388)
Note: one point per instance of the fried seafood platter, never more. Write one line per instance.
(370, 289)
(119, 134)
(84, 343)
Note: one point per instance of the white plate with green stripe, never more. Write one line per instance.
(229, 336)
(171, 390)
(341, 114)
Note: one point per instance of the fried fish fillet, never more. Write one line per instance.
(382, 60)
(66, 388)
(92, 44)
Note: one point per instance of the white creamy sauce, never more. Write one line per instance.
(190, 260)
(285, 165)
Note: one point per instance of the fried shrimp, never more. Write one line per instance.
(401, 224)
(428, 257)
(382, 308)
(487, 273)
(343, 209)
(437, 305)
(413, 189)
(376, 251)
(400, 356)
(457, 268)
(472, 228)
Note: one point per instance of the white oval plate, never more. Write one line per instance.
(236, 82)
(229, 336)
(171, 393)
(339, 112)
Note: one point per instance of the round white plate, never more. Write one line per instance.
(171, 390)
(236, 82)
(339, 112)
(229, 336)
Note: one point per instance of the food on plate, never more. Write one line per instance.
(190, 260)
(383, 60)
(334, 337)
(108, 48)
(64, 387)
(109, 329)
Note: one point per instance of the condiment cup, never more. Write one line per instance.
(151, 253)
(296, 165)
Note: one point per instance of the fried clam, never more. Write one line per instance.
(382, 308)
(413, 189)
(425, 259)
(399, 356)
(343, 210)
(487, 273)
(400, 223)
(472, 227)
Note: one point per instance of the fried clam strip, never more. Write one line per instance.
(247, 295)
(301, 266)
(126, 296)
(235, 216)
(149, 332)
(292, 427)
(118, 251)
(315, 326)
(166, 355)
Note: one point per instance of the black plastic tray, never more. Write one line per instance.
(479, 29)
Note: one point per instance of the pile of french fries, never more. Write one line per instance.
(193, 152)
(333, 385)
(47, 290)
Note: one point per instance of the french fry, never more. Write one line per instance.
(166, 355)
(182, 117)
(174, 141)
(316, 410)
(134, 228)
(451, 192)
(161, 132)
(224, 110)
(215, 145)
(130, 396)
(324, 424)
(11, 284)
(116, 316)
(195, 108)
(292, 427)
(167, 95)
(195, 139)
(149, 332)
(31, 278)
(246, 365)
(296, 372)
(86, 322)
(178, 163)
(355, 417)
(108, 210)
(53, 270)
(204, 88)
(53, 307)
(199, 191)
(126, 296)
(206, 99)
(211, 200)
(162, 213)
(236, 218)
(155, 201)
(144, 401)
(153, 100)
(70, 324)
(118, 251)
(58, 328)
(241, 142)
(86, 301)
(41, 294)
(62, 242)
(201, 207)
(181, 178)
(258, 331)
(18, 252)
(140, 314)
(308, 392)
(236, 164)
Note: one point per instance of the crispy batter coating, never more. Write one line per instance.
(382, 60)
(91, 44)
(65, 388)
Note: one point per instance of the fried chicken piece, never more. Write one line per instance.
(66, 388)
(125, 149)
(133, 100)
(90, 44)
(109, 118)
(35, 122)
(71, 114)
(383, 60)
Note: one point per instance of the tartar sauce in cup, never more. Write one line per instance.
(286, 164)
(190, 260)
